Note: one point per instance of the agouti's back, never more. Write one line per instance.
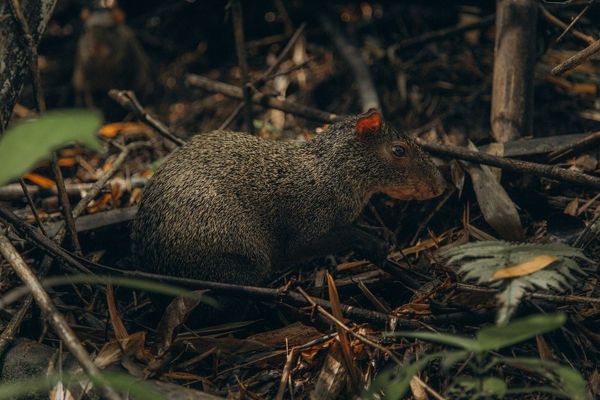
(231, 207)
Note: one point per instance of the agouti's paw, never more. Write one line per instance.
(375, 250)
(380, 232)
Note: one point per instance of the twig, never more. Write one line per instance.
(288, 47)
(577, 59)
(129, 101)
(285, 375)
(63, 196)
(554, 20)
(367, 93)
(437, 208)
(238, 31)
(524, 167)
(444, 33)
(574, 21)
(261, 99)
(567, 299)
(32, 206)
(582, 144)
(56, 320)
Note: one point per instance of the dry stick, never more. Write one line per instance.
(285, 374)
(548, 171)
(364, 339)
(129, 101)
(514, 62)
(566, 299)
(574, 21)
(57, 321)
(238, 31)
(554, 20)
(367, 93)
(63, 196)
(583, 144)
(577, 59)
(32, 206)
(444, 33)
(261, 99)
(288, 47)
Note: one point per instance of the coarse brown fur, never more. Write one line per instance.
(232, 207)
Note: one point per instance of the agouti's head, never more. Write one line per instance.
(396, 165)
(102, 31)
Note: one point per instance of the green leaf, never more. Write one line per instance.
(452, 357)
(567, 380)
(493, 387)
(497, 337)
(443, 338)
(28, 142)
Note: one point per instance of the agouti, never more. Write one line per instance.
(231, 207)
(108, 57)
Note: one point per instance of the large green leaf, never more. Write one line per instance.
(28, 142)
(496, 337)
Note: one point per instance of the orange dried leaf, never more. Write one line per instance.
(114, 129)
(41, 181)
(67, 162)
(115, 318)
(525, 268)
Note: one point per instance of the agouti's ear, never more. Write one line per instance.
(118, 15)
(369, 123)
(85, 14)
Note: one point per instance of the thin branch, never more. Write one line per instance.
(32, 206)
(445, 33)
(261, 99)
(63, 196)
(577, 59)
(583, 144)
(574, 21)
(56, 320)
(129, 101)
(554, 20)
(524, 167)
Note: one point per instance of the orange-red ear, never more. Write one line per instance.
(369, 123)
(85, 14)
(118, 15)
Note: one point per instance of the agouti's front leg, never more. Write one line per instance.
(350, 237)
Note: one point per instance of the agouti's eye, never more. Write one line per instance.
(399, 150)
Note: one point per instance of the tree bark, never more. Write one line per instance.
(514, 62)
(14, 70)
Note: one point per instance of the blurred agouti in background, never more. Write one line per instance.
(108, 57)
(232, 207)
